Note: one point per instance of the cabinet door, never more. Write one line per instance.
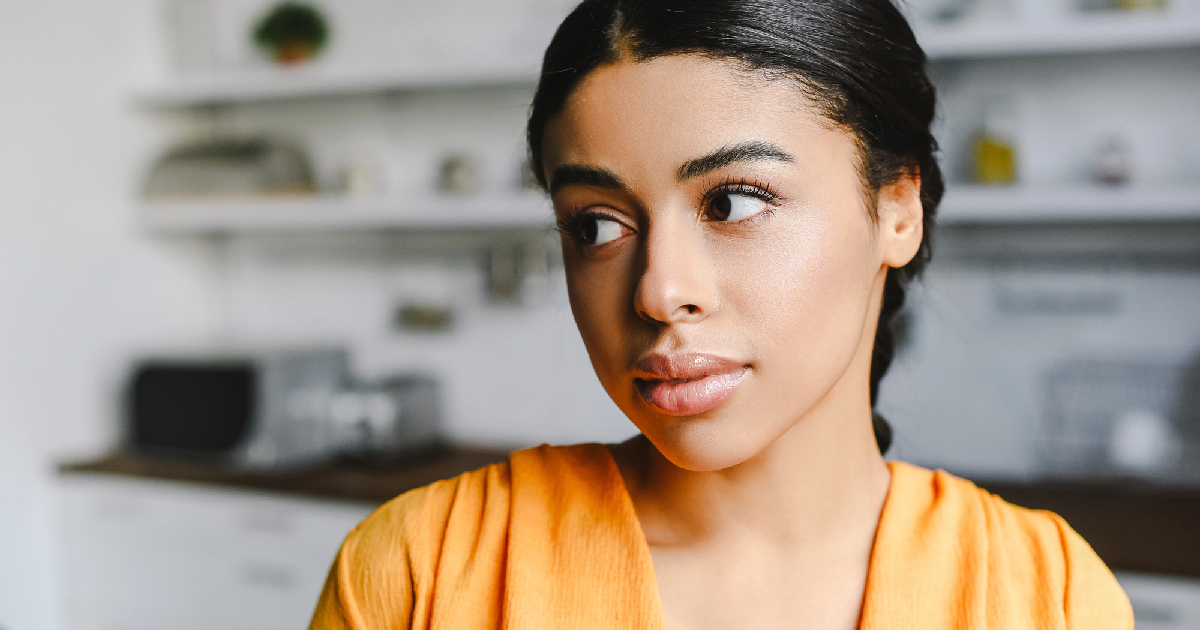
(147, 555)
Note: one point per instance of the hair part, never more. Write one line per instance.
(857, 61)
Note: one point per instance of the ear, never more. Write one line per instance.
(901, 220)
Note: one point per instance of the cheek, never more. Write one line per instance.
(601, 300)
(803, 294)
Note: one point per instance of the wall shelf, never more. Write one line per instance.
(1079, 34)
(271, 83)
(326, 214)
(981, 204)
(1086, 33)
(962, 205)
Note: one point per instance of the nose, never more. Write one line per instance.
(677, 283)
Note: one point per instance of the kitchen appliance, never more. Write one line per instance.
(385, 419)
(274, 409)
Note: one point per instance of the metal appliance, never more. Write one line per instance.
(274, 409)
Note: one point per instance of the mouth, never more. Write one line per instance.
(687, 384)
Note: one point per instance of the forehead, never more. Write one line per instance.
(670, 109)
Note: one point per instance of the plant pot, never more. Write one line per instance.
(293, 53)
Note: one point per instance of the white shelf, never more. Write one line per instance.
(1078, 34)
(962, 205)
(274, 83)
(1084, 33)
(981, 204)
(325, 214)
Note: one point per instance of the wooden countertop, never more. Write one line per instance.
(1133, 527)
(348, 481)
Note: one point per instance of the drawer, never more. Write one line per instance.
(118, 588)
(145, 555)
(173, 513)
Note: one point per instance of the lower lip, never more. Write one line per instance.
(688, 398)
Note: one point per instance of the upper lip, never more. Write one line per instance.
(683, 366)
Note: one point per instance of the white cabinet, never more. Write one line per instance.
(1162, 602)
(152, 555)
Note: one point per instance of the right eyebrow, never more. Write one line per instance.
(732, 154)
(568, 174)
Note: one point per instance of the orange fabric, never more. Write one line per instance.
(550, 539)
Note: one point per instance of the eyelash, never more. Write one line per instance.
(570, 223)
(573, 219)
(748, 187)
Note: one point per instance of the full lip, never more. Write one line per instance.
(686, 383)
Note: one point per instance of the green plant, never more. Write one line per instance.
(292, 31)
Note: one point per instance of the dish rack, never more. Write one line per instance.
(1105, 420)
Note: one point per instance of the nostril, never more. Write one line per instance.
(691, 309)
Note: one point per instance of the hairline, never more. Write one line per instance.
(828, 109)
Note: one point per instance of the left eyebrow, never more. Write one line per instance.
(741, 152)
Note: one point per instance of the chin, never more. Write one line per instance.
(705, 444)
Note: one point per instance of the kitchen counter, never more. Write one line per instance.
(348, 481)
(1133, 527)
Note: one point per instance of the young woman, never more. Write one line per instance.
(744, 188)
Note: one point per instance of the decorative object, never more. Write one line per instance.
(423, 317)
(458, 174)
(230, 167)
(505, 266)
(1143, 442)
(292, 32)
(1123, 5)
(526, 178)
(1112, 164)
(361, 176)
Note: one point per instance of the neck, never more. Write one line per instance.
(821, 479)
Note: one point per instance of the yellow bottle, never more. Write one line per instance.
(1141, 5)
(994, 149)
(995, 160)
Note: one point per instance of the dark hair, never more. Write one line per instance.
(857, 60)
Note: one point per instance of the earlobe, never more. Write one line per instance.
(901, 220)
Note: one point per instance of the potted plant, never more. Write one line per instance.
(292, 32)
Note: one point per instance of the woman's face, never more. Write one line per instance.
(721, 262)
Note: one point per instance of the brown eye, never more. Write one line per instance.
(722, 205)
(598, 230)
(735, 207)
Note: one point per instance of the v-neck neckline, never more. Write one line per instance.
(875, 566)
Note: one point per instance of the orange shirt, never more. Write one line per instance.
(550, 539)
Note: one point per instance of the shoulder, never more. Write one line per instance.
(443, 544)
(383, 574)
(1018, 559)
(456, 508)
(944, 502)
(414, 523)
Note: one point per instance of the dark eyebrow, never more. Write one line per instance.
(732, 154)
(586, 175)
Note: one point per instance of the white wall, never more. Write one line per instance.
(82, 289)
(78, 284)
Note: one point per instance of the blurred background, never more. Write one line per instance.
(266, 265)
